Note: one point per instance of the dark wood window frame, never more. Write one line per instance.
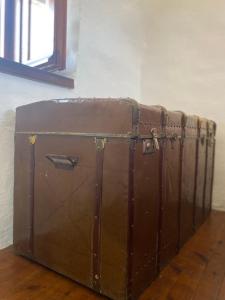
(44, 72)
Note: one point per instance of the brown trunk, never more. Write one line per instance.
(105, 189)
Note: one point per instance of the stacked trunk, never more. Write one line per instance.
(107, 191)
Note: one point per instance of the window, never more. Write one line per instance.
(33, 35)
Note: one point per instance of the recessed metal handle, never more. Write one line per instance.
(63, 161)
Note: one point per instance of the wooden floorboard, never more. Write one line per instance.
(197, 273)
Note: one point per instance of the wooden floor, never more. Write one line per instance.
(197, 273)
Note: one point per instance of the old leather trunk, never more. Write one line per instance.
(86, 191)
(105, 189)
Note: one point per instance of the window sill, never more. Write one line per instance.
(31, 73)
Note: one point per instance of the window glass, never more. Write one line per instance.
(34, 41)
(2, 26)
(42, 29)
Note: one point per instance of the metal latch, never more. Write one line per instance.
(100, 143)
(32, 139)
(155, 138)
(173, 139)
(151, 145)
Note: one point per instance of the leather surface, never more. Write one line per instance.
(77, 115)
(64, 207)
(22, 200)
(114, 219)
(146, 204)
(211, 128)
(188, 179)
(200, 172)
(169, 231)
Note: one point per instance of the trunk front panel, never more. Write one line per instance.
(23, 194)
(169, 230)
(64, 204)
(71, 219)
(114, 220)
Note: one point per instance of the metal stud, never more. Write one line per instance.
(96, 276)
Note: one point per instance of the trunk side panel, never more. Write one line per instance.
(114, 220)
(169, 231)
(188, 180)
(146, 206)
(210, 168)
(201, 173)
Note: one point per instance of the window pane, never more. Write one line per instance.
(2, 26)
(24, 46)
(34, 31)
(41, 29)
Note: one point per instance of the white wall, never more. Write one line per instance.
(183, 65)
(161, 52)
(109, 51)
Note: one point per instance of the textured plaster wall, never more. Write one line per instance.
(183, 65)
(161, 52)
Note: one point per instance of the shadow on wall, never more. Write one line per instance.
(7, 128)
